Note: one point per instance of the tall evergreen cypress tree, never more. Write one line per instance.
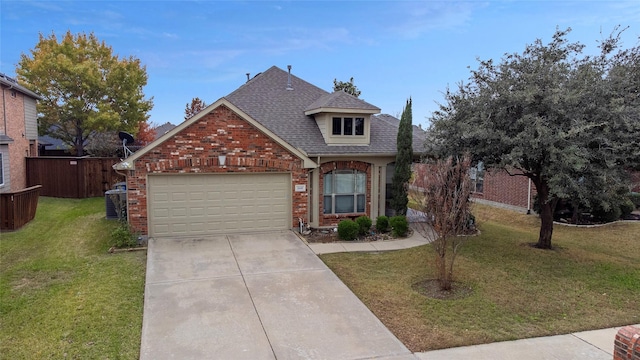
(402, 172)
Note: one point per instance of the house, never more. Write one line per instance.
(18, 133)
(273, 154)
(49, 146)
(497, 187)
(163, 129)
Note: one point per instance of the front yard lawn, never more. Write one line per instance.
(62, 295)
(590, 281)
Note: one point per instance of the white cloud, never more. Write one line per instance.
(414, 19)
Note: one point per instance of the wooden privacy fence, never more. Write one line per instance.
(18, 208)
(72, 177)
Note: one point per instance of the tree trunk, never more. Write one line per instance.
(79, 145)
(546, 216)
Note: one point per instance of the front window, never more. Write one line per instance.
(477, 177)
(347, 126)
(344, 192)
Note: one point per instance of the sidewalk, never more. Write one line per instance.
(592, 345)
(416, 239)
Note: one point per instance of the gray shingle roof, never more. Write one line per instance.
(163, 129)
(341, 100)
(10, 82)
(266, 99)
(419, 135)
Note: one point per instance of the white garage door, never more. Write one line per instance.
(198, 204)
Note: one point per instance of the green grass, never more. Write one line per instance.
(591, 280)
(62, 295)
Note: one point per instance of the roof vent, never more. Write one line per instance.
(248, 76)
(289, 87)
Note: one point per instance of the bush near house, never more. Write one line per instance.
(382, 224)
(364, 224)
(399, 225)
(348, 230)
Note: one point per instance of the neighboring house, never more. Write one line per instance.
(18, 133)
(276, 152)
(49, 146)
(163, 129)
(496, 187)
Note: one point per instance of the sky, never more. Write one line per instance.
(393, 49)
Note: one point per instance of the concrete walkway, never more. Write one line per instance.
(264, 296)
(592, 345)
(416, 239)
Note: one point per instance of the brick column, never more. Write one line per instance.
(627, 344)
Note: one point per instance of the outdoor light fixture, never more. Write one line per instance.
(222, 159)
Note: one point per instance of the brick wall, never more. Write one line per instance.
(19, 149)
(503, 188)
(627, 344)
(195, 149)
(334, 219)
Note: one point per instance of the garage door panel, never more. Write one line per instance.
(197, 204)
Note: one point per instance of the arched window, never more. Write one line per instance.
(344, 191)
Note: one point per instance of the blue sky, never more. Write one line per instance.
(392, 49)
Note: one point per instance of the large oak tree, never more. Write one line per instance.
(567, 121)
(86, 89)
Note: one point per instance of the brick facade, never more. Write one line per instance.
(503, 188)
(196, 148)
(13, 111)
(334, 219)
(626, 345)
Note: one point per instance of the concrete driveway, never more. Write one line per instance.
(259, 296)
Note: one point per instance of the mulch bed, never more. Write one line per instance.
(329, 236)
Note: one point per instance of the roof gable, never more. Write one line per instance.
(266, 99)
(340, 101)
(127, 163)
(13, 84)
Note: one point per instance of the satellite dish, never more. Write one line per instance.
(127, 139)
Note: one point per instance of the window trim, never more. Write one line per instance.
(355, 194)
(354, 120)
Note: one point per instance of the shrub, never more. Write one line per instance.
(348, 230)
(399, 225)
(382, 223)
(123, 237)
(626, 207)
(364, 224)
(635, 198)
(471, 221)
(607, 215)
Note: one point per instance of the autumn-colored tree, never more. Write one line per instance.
(195, 107)
(146, 133)
(442, 191)
(85, 88)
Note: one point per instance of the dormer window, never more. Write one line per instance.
(348, 126)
